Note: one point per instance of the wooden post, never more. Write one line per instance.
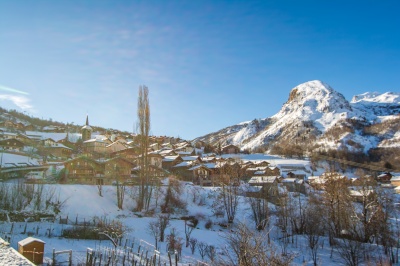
(170, 260)
(70, 258)
(54, 257)
(33, 257)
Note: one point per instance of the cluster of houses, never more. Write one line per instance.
(103, 159)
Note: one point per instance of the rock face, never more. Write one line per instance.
(317, 115)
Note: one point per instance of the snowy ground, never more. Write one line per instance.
(83, 203)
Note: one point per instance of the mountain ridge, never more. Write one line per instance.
(317, 116)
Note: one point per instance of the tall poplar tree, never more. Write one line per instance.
(143, 128)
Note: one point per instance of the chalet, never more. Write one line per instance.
(116, 169)
(262, 170)
(25, 139)
(59, 150)
(55, 129)
(32, 249)
(8, 135)
(115, 146)
(384, 178)
(155, 147)
(155, 159)
(359, 193)
(183, 170)
(11, 145)
(155, 174)
(95, 146)
(167, 152)
(170, 161)
(268, 185)
(12, 125)
(227, 172)
(294, 184)
(296, 174)
(129, 154)
(83, 170)
(191, 152)
(209, 159)
(48, 142)
(318, 182)
(230, 149)
(203, 174)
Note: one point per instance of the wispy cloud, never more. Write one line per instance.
(20, 101)
(4, 88)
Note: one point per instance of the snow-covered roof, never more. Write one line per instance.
(190, 158)
(184, 164)
(14, 160)
(29, 240)
(10, 257)
(395, 178)
(263, 179)
(170, 158)
(207, 165)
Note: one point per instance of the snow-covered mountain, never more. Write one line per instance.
(317, 116)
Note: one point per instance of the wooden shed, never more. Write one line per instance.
(32, 249)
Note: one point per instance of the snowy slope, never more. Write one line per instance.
(316, 114)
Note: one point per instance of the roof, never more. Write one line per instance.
(206, 165)
(170, 158)
(10, 257)
(29, 240)
(263, 179)
(395, 178)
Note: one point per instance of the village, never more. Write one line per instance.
(53, 155)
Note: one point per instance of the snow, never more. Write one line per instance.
(317, 103)
(14, 160)
(10, 257)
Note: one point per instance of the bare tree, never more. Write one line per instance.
(120, 194)
(314, 226)
(211, 252)
(143, 125)
(230, 200)
(202, 247)
(154, 229)
(189, 227)
(337, 202)
(245, 247)
(260, 212)
(193, 244)
(163, 223)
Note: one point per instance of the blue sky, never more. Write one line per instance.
(207, 64)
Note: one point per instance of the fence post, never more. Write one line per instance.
(54, 256)
(70, 258)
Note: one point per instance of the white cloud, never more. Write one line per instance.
(20, 101)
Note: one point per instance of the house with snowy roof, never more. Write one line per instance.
(204, 174)
(268, 185)
(116, 146)
(230, 149)
(129, 154)
(58, 150)
(11, 145)
(170, 161)
(83, 170)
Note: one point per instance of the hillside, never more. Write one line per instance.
(318, 117)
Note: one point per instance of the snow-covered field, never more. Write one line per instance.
(82, 203)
